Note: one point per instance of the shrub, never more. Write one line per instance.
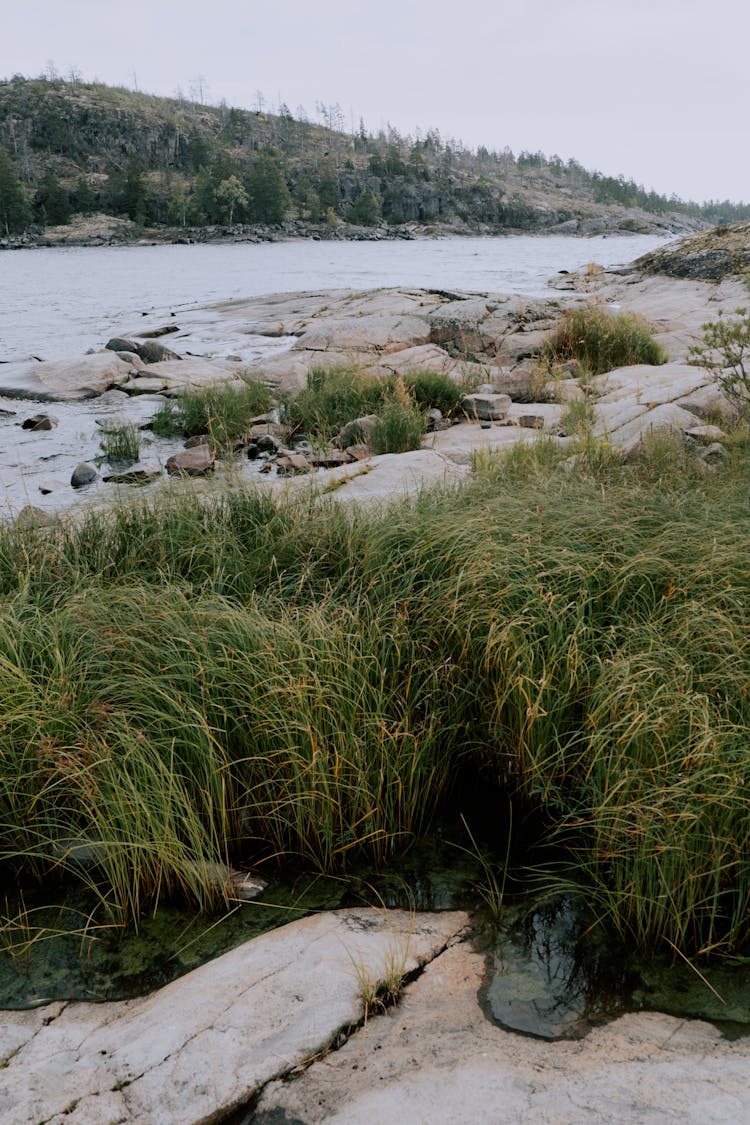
(726, 352)
(601, 340)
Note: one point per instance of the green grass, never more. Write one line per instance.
(121, 443)
(602, 341)
(186, 683)
(401, 424)
(223, 411)
(334, 396)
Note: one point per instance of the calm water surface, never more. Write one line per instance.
(60, 302)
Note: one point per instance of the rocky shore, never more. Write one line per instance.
(279, 1029)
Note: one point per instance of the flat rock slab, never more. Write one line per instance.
(64, 380)
(437, 1058)
(207, 1043)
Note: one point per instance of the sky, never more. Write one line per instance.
(656, 90)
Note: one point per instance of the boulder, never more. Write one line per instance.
(83, 474)
(290, 464)
(367, 333)
(486, 407)
(356, 431)
(64, 380)
(39, 422)
(191, 462)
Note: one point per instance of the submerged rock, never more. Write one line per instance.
(191, 462)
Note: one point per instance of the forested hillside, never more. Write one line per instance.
(71, 148)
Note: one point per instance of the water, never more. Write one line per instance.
(60, 302)
(57, 303)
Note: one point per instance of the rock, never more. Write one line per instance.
(706, 434)
(668, 418)
(29, 516)
(65, 380)
(139, 473)
(145, 385)
(531, 421)
(149, 352)
(205, 1045)
(195, 441)
(252, 451)
(367, 333)
(39, 422)
(83, 474)
(267, 443)
(48, 486)
(289, 464)
(246, 886)
(358, 452)
(191, 462)
(487, 408)
(359, 430)
(714, 453)
(153, 333)
(330, 459)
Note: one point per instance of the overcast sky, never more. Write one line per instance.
(658, 90)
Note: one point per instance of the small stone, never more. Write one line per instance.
(531, 421)
(83, 474)
(358, 452)
(291, 464)
(252, 451)
(714, 453)
(267, 443)
(195, 441)
(247, 886)
(38, 422)
(48, 486)
(136, 474)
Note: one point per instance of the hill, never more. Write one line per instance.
(69, 148)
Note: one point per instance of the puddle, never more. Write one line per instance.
(553, 974)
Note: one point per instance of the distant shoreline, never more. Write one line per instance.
(107, 230)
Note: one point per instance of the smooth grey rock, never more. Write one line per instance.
(714, 453)
(65, 380)
(207, 1043)
(486, 408)
(48, 486)
(358, 431)
(83, 474)
(289, 464)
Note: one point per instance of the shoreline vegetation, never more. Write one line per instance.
(192, 684)
(171, 168)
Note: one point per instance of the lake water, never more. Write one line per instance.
(62, 302)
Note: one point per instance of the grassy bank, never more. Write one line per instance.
(183, 684)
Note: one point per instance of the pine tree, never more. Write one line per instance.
(267, 189)
(15, 213)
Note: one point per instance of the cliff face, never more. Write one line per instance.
(709, 255)
(78, 149)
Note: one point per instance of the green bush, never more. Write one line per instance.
(190, 682)
(726, 352)
(602, 341)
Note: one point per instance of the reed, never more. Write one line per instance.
(183, 683)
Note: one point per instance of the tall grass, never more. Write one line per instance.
(222, 411)
(187, 683)
(602, 341)
(334, 396)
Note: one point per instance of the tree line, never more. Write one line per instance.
(69, 147)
